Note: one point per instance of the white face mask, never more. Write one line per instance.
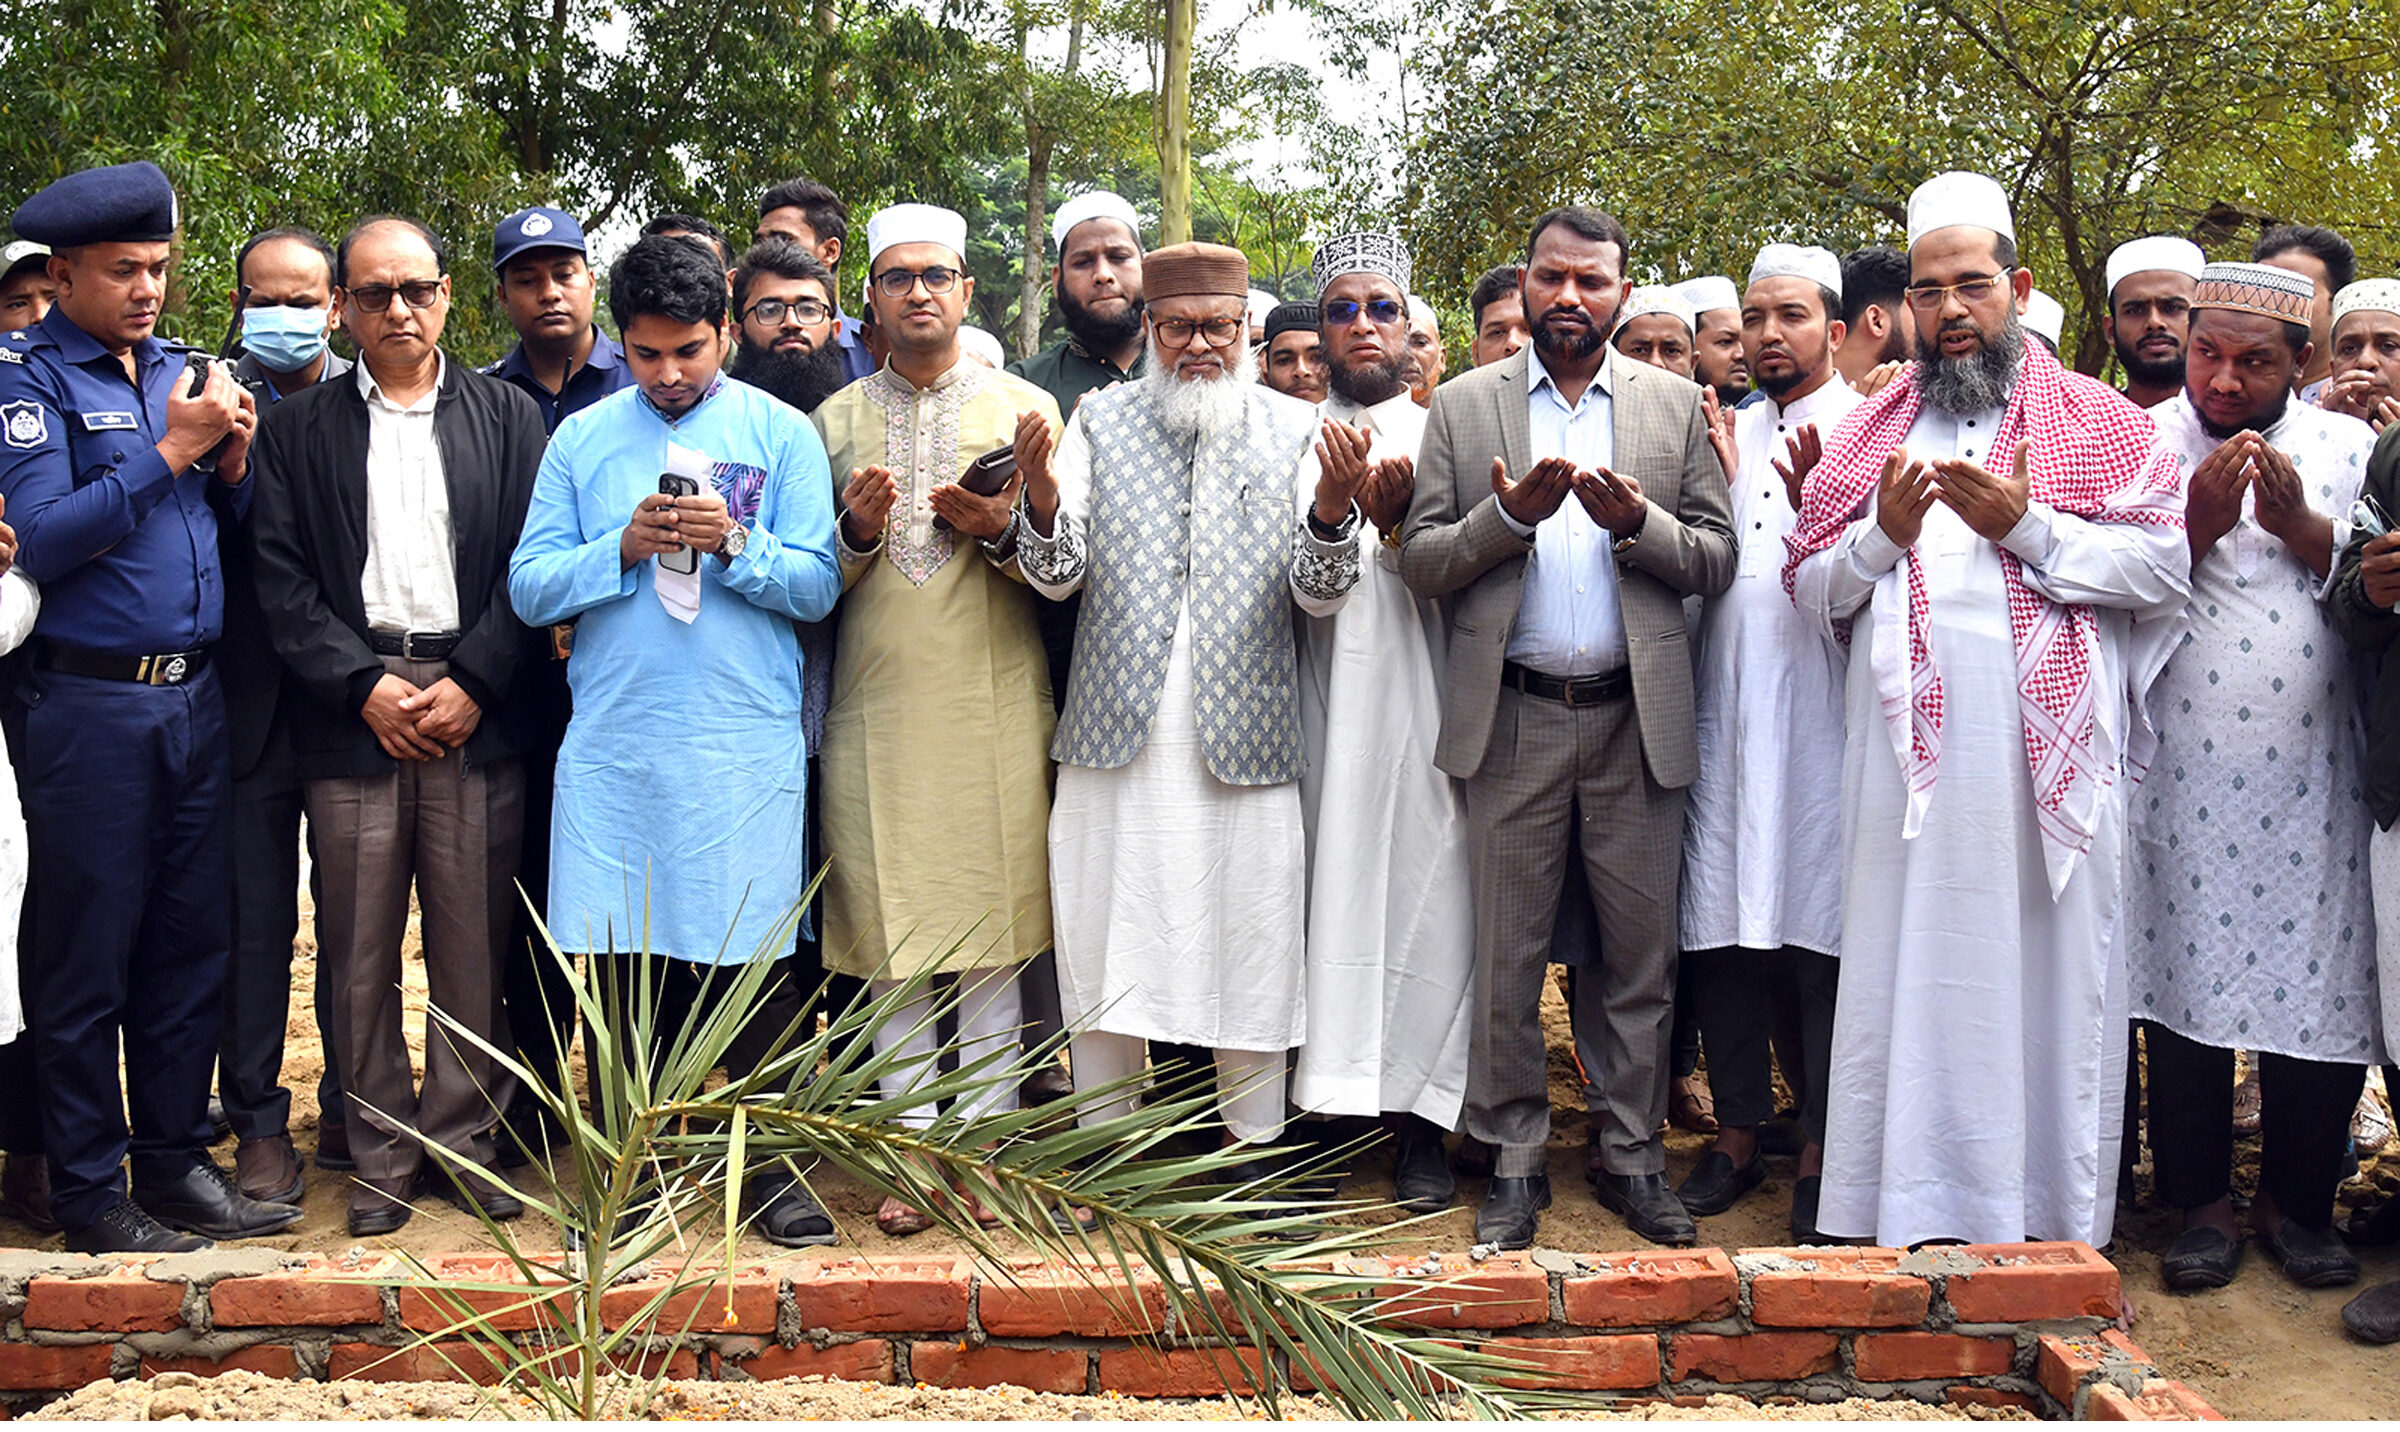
(284, 339)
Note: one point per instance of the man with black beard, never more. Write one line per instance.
(783, 299)
(1877, 331)
(2150, 283)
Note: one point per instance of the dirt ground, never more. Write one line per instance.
(2258, 1349)
(246, 1396)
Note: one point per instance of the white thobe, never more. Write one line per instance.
(1177, 902)
(1979, 1039)
(2248, 926)
(1761, 832)
(1391, 918)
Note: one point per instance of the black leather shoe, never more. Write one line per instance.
(2200, 1257)
(1805, 1191)
(206, 1201)
(218, 1125)
(124, 1228)
(467, 1192)
(1474, 1158)
(2374, 1230)
(1717, 1184)
(381, 1206)
(526, 1132)
(2374, 1315)
(2310, 1258)
(1421, 1179)
(25, 1191)
(1650, 1208)
(1512, 1211)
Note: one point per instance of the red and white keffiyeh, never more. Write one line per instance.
(2093, 455)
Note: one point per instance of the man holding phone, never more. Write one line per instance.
(941, 688)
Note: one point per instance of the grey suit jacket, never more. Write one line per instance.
(1455, 546)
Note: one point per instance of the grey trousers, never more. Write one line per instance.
(1562, 781)
(451, 830)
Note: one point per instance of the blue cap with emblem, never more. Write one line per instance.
(119, 204)
(536, 228)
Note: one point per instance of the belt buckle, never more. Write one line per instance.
(408, 646)
(164, 670)
(1566, 692)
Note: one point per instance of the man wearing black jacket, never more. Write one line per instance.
(387, 509)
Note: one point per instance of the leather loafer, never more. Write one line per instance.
(1421, 1179)
(206, 1201)
(25, 1191)
(381, 1206)
(268, 1169)
(1717, 1184)
(123, 1227)
(2374, 1315)
(2200, 1258)
(1512, 1211)
(333, 1147)
(2310, 1258)
(1805, 1191)
(469, 1192)
(1648, 1206)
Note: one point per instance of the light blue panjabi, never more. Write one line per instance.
(683, 779)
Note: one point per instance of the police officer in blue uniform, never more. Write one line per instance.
(116, 474)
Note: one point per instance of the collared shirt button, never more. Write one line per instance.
(1184, 508)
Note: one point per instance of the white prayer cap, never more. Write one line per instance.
(1818, 266)
(2045, 315)
(916, 224)
(2159, 251)
(1420, 311)
(1707, 295)
(1363, 252)
(1099, 204)
(2368, 295)
(1258, 306)
(1948, 200)
(1657, 298)
(982, 343)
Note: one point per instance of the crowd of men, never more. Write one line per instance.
(1816, 669)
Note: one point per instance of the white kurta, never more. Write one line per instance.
(2248, 923)
(1391, 917)
(1761, 831)
(1979, 1039)
(20, 603)
(1177, 902)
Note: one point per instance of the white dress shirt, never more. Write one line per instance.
(1567, 620)
(410, 581)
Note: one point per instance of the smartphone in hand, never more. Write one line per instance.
(684, 561)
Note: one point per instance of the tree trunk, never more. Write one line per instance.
(1174, 124)
(1036, 275)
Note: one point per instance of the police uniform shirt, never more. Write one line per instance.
(603, 373)
(125, 550)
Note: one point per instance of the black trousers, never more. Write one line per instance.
(258, 977)
(126, 924)
(2304, 1126)
(679, 990)
(1739, 997)
(536, 992)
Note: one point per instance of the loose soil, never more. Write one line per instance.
(2260, 1348)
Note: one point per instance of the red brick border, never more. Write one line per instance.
(2024, 1325)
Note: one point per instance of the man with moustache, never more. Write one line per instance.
(806, 213)
(1655, 327)
(2330, 264)
(1499, 313)
(1097, 284)
(1983, 531)
(1567, 702)
(2366, 353)
(1294, 363)
(783, 300)
(2149, 319)
(1717, 361)
(1762, 890)
(1391, 918)
(1426, 356)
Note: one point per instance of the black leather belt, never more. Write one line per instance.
(167, 668)
(415, 645)
(1578, 691)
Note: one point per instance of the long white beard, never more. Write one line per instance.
(1203, 408)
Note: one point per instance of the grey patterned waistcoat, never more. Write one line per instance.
(1227, 514)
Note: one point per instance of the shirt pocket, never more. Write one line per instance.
(98, 443)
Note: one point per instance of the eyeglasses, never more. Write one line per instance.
(896, 282)
(1929, 297)
(377, 297)
(1343, 311)
(1178, 332)
(806, 310)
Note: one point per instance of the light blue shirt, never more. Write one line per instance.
(683, 779)
(1567, 619)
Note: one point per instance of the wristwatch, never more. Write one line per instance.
(735, 539)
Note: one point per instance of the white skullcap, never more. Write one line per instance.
(1818, 266)
(1099, 204)
(2160, 252)
(1363, 252)
(18, 251)
(1420, 311)
(982, 343)
(1707, 295)
(916, 224)
(1657, 298)
(2045, 315)
(1258, 306)
(1948, 200)
(2368, 295)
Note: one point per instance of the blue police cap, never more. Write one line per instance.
(535, 228)
(119, 204)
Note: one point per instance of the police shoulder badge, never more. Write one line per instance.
(25, 424)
